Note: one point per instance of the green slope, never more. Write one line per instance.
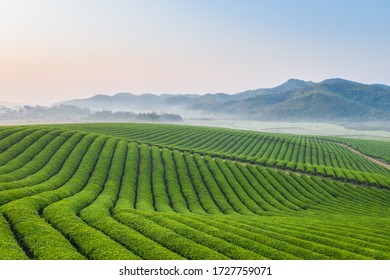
(127, 191)
(311, 154)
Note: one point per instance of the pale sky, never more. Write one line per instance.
(52, 50)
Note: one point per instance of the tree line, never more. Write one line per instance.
(70, 112)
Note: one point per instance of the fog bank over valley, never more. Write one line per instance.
(335, 107)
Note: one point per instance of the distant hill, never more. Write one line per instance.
(294, 100)
(330, 100)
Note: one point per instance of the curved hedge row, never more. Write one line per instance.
(72, 195)
(310, 154)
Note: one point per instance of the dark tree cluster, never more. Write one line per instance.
(74, 113)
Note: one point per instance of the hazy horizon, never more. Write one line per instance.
(59, 50)
(11, 104)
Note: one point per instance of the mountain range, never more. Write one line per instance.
(295, 100)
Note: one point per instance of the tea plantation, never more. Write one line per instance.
(153, 191)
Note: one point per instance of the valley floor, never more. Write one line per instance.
(303, 128)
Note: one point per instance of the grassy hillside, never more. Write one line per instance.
(311, 154)
(137, 191)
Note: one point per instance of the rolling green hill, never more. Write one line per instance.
(311, 154)
(138, 191)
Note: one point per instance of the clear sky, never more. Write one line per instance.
(53, 50)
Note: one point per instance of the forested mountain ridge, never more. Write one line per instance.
(297, 100)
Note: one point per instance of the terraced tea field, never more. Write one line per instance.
(144, 191)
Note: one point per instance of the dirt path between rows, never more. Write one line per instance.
(374, 160)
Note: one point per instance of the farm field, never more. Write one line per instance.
(152, 191)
